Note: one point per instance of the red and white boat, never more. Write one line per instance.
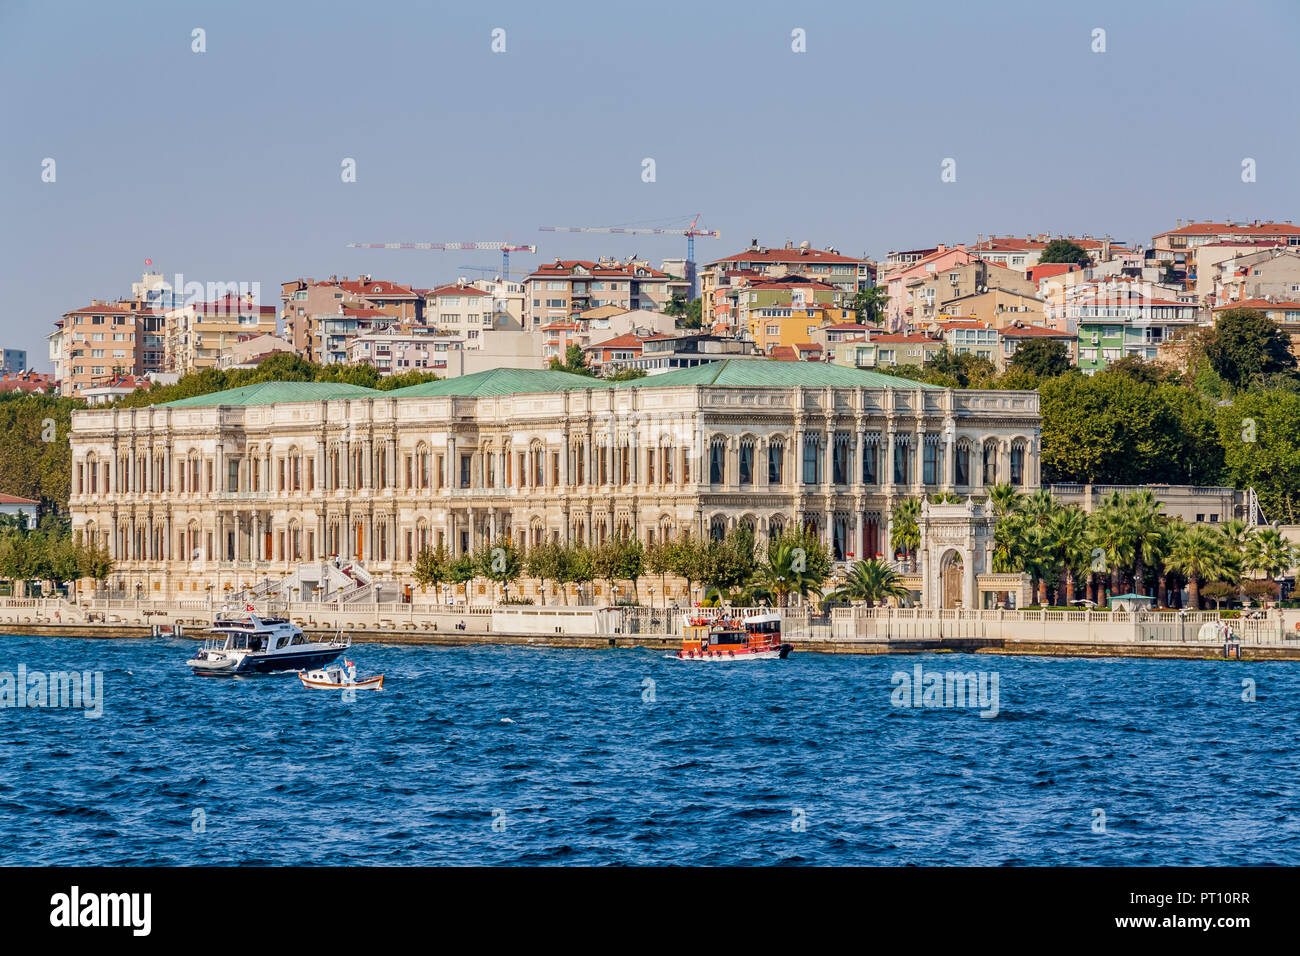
(336, 677)
(724, 634)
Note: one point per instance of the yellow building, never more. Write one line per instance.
(197, 333)
(774, 326)
(996, 307)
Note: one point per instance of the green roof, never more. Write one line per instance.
(760, 372)
(268, 393)
(502, 381)
(514, 381)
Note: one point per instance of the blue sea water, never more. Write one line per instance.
(517, 755)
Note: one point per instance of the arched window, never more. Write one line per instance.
(990, 463)
(871, 459)
(745, 467)
(776, 461)
(1018, 463)
(962, 462)
(717, 461)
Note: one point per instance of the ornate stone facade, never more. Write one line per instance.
(223, 491)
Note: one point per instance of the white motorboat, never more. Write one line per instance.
(249, 644)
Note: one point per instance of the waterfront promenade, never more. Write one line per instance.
(865, 630)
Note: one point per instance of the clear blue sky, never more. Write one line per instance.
(225, 165)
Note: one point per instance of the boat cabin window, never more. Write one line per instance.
(729, 637)
(763, 627)
(299, 639)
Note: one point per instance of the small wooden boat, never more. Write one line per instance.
(340, 677)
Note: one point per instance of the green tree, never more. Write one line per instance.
(871, 305)
(870, 581)
(904, 530)
(462, 570)
(1111, 429)
(1259, 434)
(431, 568)
(501, 563)
(688, 559)
(1146, 527)
(694, 315)
(1063, 250)
(577, 566)
(627, 375)
(1246, 345)
(1269, 553)
(676, 306)
(575, 362)
(796, 563)
(1110, 534)
(1067, 530)
(1201, 554)
(730, 563)
(1043, 358)
(545, 562)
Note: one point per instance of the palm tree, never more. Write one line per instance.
(789, 569)
(1009, 543)
(870, 581)
(1202, 555)
(1004, 499)
(1269, 553)
(1142, 514)
(1039, 506)
(1068, 532)
(945, 498)
(1109, 533)
(905, 531)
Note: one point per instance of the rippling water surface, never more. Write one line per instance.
(512, 755)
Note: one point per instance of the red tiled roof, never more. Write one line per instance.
(15, 500)
(232, 305)
(789, 282)
(453, 288)
(1261, 304)
(788, 255)
(1126, 297)
(1227, 228)
(1047, 269)
(565, 267)
(626, 340)
(376, 287)
(1028, 244)
(1262, 243)
(101, 310)
(1028, 331)
(905, 339)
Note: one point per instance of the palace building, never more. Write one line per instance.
(222, 490)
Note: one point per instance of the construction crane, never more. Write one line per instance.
(505, 248)
(690, 232)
